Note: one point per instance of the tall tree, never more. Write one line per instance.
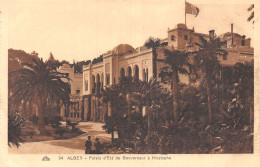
(153, 43)
(176, 62)
(16, 59)
(241, 90)
(126, 87)
(41, 84)
(207, 61)
(53, 62)
(116, 120)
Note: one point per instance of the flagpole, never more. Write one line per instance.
(185, 11)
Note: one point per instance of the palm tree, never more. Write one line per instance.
(176, 62)
(143, 93)
(206, 59)
(154, 97)
(39, 83)
(116, 120)
(153, 43)
(243, 91)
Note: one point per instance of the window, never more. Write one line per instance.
(94, 84)
(129, 70)
(185, 37)
(144, 75)
(108, 79)
(172, 37)
(243, 42)
(86, 85)
(67, 74)
(122, 73)
(136, 72)
(147, 74)
(77, 91)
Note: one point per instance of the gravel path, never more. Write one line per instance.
(74, 145)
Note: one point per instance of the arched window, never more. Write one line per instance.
(136, 72)
(86, 83)
(108, 79)
(122, 73)
(129, 71)
(147, 78)
(98, 83)
(144, 75)
(94, 84)
(102, 80)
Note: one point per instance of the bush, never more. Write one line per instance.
(15, 122)
(60, 131)
(73, 125)
(34, 119)
(53, 121)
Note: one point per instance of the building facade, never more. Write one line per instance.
(124, 60)
(73, 111)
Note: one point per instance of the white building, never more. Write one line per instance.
(124, 60)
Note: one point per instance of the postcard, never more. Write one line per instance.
(129, 83)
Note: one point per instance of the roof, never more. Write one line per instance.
(123, 49)
(65, 66)
(228, 34)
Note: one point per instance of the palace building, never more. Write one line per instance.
(124, 60)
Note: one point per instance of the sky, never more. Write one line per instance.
(84, 29)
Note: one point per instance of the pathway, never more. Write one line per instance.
(74, 145)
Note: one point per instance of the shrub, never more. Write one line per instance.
(15, 122)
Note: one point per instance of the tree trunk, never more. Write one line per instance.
(208, 88)
(166, 118)
(149, 115)
(175, 96)
(41, 109)
(129, 108)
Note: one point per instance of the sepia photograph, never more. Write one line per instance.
(137, 78)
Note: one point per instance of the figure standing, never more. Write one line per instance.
(88, 145)
(98, 146)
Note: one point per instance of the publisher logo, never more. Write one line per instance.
(46, 158)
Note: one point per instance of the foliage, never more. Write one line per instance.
(78, 66)
(230, 130)
(16, 58)
(207, 63)
(40, 84)
(176, 62)
(116, 121)
(153, 43)
(53, 62)
(15, 122)
(53, 121)
(72, 124)
(97, 60)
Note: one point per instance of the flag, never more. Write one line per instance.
(191, 9)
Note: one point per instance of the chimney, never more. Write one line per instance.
(211, 33)
(232, 35)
